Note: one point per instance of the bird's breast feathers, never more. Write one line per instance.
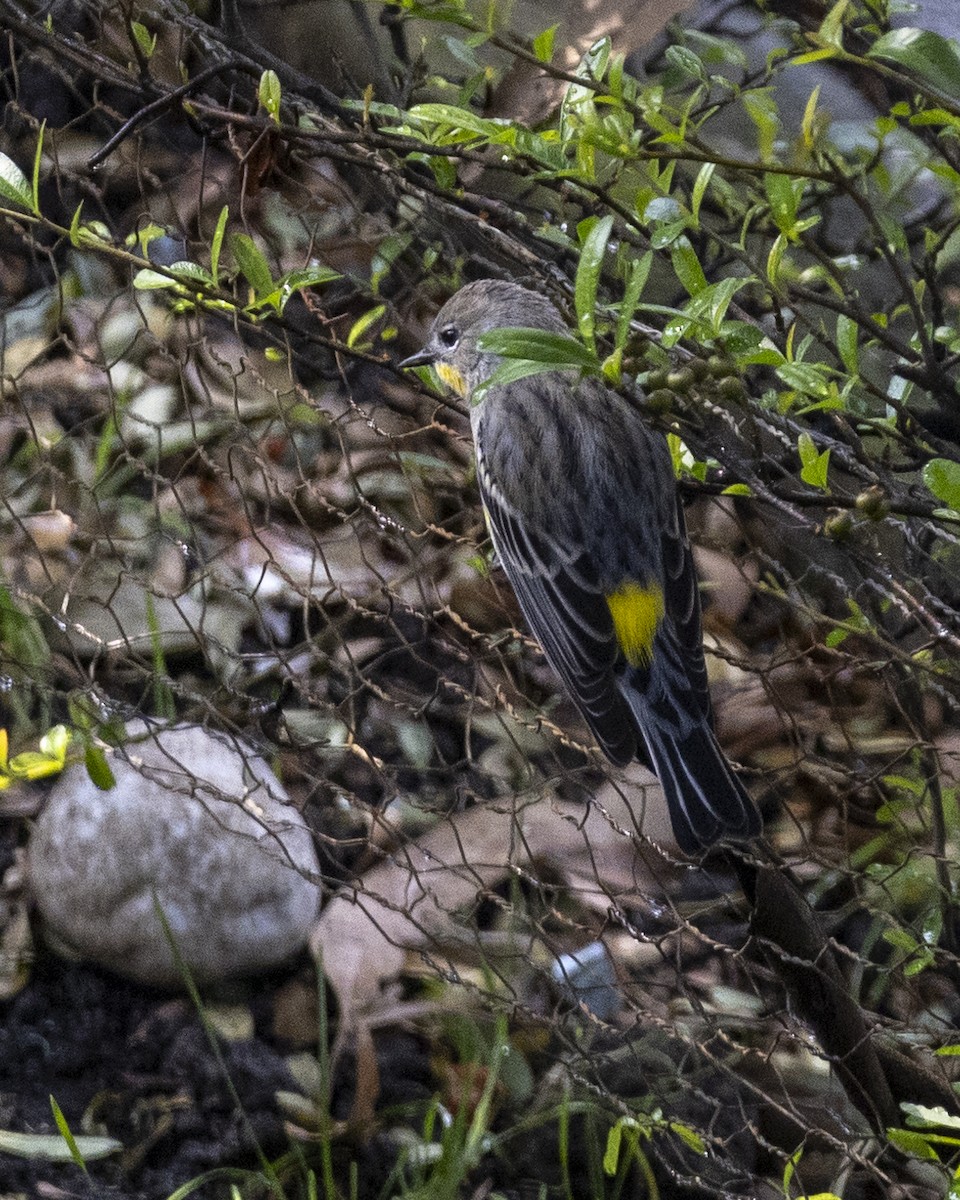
(453, 378)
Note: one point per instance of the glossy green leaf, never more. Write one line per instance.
(508, 372)
(362, 324)
(908, 1141)
(51, 1147)
(37, 159)
(56, 741)
(775, 258)
(463, 120)
(682, 58)
(611, 1156)
(637, 274)
(67, 1135)
(689, 1137)
(252, 264)
(928, 55)
(783, 196)
(540, 346)
(922, 1116)
(14, 185)
(589, 269)
(687, 266)
(269, 94)
(98, 768)
(847, 331)
(942, 477)
(217, 245)
(543, 44)
(830, 32)
(702, 182)
(814, 463)
(146, 41)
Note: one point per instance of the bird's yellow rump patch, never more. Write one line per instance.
(452, 378)
(637, 612)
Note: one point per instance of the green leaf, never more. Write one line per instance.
(910, 1142)
(830, 32)
(362, 324)
(98, 768)
(687, 266)
(217, 245)
(21, 636)
(186, 274)
(702, 182)
(847, 343)
(67, 1135)
(270, 94)
(637, 274)
(75, 226)
(775, 258)
(543, 44)
(814, 464)
(762, 109)
(539, 346)
(146, 41)
(14, 185)
(148, 280)
(689, 1137)
(685, 60)
(252, 264)
(144, 236)
(93, 233)
(37, 158)
(51, 1147)
(929, 56)
(808, 124)
(305, 277)
(942, 477)
(55, 742)
(920, 1116)
(611, 1156)
(783, 196)
(386, 254)
(509, 372)
(789, 1169)
(462, 120)
(711, 303)
(295, 281)
(589, 269)
(31, 765)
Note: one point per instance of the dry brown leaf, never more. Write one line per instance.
(409, 901)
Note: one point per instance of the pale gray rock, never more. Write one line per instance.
(196, 822)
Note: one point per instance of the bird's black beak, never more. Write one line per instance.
(422, 358)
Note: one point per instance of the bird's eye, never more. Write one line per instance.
(449, 336)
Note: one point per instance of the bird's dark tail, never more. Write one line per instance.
(707, 802)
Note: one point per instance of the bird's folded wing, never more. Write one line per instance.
(562, 602)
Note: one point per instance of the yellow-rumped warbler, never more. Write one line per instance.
(582, 506)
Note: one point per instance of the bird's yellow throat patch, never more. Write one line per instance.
(452, 378)
(637, 612)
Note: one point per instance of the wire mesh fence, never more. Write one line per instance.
(222, 505)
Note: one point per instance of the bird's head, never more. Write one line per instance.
(452, 346)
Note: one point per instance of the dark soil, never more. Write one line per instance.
(139, 1062)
